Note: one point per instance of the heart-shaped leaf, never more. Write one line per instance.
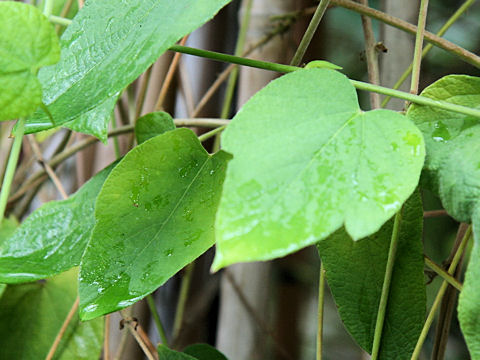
(318, 162)
(452, 170)
(108, 46)
(155, 214)
(355, 272)
(32, 315)
(53, 238)
(27, 42)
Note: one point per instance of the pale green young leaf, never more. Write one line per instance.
(355, 273)
(108, 46)
(27, 43)
(53, 238)
(318, 162)
(155, 214)
(153, 124)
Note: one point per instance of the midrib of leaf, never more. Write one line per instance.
(182, 197)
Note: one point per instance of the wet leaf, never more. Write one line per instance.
(53, 238)
(155, 214)
(318, 162)
(107, 47)
(153, 124)
(355, 272)
(32, 315)
(27, 43)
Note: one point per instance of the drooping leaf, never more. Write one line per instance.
(27, 42)
(53, 238)
(469, 302)
(204, 352)
(165, 353)
(355, 272)
(153, 124)
(155, 214)
(107, 46)
(318, 162)
(452, 170)
(32, 315)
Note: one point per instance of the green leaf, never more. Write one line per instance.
(108, 46)
(7, 228)
(32, 315)
(53, 238)
(355, 272)
(452, 168)
(318, 162)
(153, 124)
(27, 42)
(155, 214)
(204, 352)
(165, 353)
(469, 302)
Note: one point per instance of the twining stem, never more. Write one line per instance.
(446, 45)
(441, 292)
(64, 327)
(372, 57)
(48, 8)
(156, 318)
(421, 100)
(321, 305)
(232, 80)
(417, 55)
(11, 166)
(429, 47)
(212, 133)
(140, 336)
(382, 307)
(106, 338)
(311, 29)
(182, 300)
(58, 20)
(443, 274)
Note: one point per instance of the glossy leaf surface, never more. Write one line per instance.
(165, 353)
(33, 313)
(7, 228)
(27, 42)
(355, 272)
(452, 170)
(107, 46)
(155, 214)
(153, 124)
(318, 162)
(53, 238)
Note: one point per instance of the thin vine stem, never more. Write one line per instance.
(11, 166)
(421, 100)
(382, 307)
(417, 55)
(156, 319)
(441, 292)
(48, 8)
(321, 305)
(443, 274)
(311, 29)
(182, 300)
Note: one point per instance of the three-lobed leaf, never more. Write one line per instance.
(355, 271)
(452, 170)
(155, 214)
(106, 47)
(27, 43)
(53, 238)
(307, 160)
(32, 315)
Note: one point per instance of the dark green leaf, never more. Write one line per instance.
(355, 272)
(53, 238)
(318, 162)
(108, 46)
(27, 42)
(32, 315)
(165, 353)
(155, 214)
(153, 124)
(204, 352)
